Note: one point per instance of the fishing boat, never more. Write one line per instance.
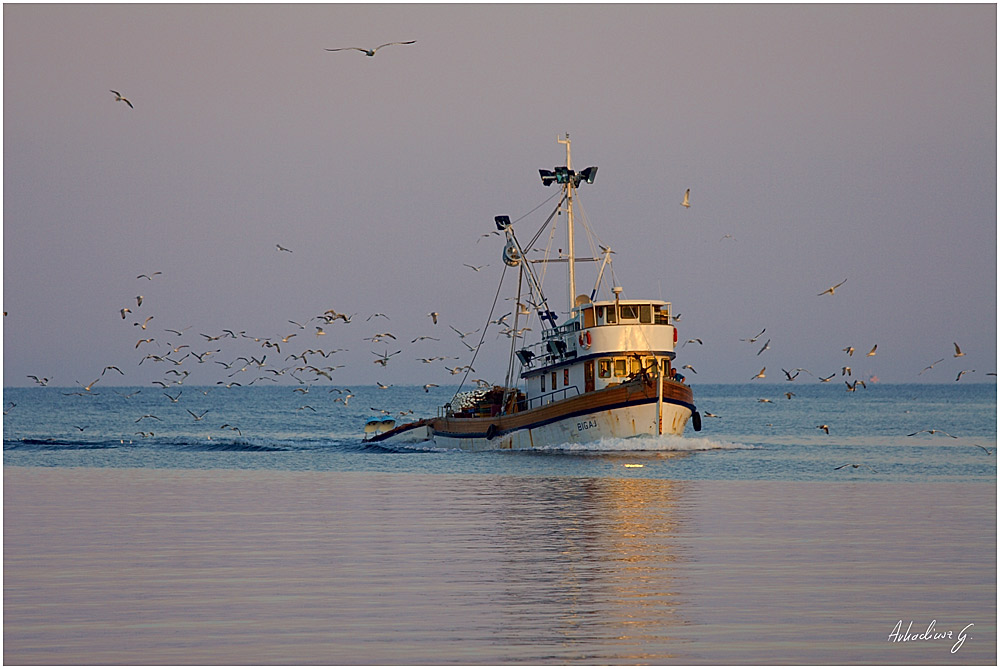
(604, 371)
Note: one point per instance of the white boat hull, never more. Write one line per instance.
(628, 410)
(631, 421)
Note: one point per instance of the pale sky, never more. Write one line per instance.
(831, 142)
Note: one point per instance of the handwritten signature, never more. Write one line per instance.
(930, 634)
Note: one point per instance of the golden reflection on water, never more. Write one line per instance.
(230, 567)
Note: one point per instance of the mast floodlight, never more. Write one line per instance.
(589, 174)
(503, 222)
(547, 177)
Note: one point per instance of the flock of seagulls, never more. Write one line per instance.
(177, 351)
(851, 384)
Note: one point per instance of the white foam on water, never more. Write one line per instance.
(661, 443)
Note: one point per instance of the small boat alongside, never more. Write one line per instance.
(605, 371)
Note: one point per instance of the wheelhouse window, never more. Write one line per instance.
(604, 368)
(566, 376)
(629, 312)
(645, 313)
(611, 317)
(620, 367)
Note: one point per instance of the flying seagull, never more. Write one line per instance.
(687, 199)
(871, 352)
(958, 351)
(855, 466)
(930, 366)
(369, 52)
(832, 288)
(282, 248)
(119, 98)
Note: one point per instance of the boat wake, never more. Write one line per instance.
(661, 443)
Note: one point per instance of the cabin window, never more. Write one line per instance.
(620, 367)
(542, 377)
(629, 311)
(588, 318)
(600, 313)
(604, 368)
(554, 386)
(612, 317)
(635, 365)
(645, 313)
(566, 376)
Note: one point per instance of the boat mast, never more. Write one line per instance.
(569, 180)
(570, 189)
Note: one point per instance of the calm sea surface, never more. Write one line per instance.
(291, 542)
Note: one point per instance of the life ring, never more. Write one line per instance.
(491, 432)
(696, 421)
(585, 340)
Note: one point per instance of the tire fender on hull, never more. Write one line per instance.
(696, 421)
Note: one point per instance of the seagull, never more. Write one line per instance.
(789, 395)
(711, 415)
(930, 366)
(845, 371)
(871, 352)
(196, 416)
(825, 380)
(913, 434)
(766, 346)
(148, 276)
(964, 371)
(125, 310)
(138, 300)
(693, 341)
(428, 386)
(756, 337)
(119, 98)
(114, 368)
(174, 399)
(369, 52)
(690, 367)
(474, 267)
(789, 376)
(148, 415)
(282, 248)
(40, 381)
(434, 317)
(143, 324)
(855, 466)
(422, 337)
(765, 401)
(849, 350)
(958, 351)
(687, 199)
(832, 288)
(90, 385)
(759, 375)
(988, 451)
(824, 427)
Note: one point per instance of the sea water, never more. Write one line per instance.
(293, 542)
(286, 428)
